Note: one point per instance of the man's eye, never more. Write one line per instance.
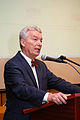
(35, 39)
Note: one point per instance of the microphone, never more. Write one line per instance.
(44, 57)
(62, 57)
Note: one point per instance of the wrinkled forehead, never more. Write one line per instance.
(34, 33)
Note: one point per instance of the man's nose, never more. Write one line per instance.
(40, 42)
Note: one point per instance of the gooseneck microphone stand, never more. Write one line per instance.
(64, 58)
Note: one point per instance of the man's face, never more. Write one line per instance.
(32, 45)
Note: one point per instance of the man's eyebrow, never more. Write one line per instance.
(37, 37)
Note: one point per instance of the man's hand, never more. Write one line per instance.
(58, 98)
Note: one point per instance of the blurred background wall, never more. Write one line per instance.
(58, 19)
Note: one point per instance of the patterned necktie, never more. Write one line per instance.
(34, 63)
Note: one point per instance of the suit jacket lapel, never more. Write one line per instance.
(31, 74)
(28, 69)
(39, 76)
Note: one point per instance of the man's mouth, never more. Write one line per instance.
(37, 49)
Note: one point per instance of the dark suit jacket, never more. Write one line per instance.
(21, 87)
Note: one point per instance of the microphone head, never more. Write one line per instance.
(43, 57)
(62, 57)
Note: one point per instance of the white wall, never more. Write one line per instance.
(58, 19)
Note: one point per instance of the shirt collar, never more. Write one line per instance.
(27, 58)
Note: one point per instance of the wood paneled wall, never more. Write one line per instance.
(65, 71)
(60, 69)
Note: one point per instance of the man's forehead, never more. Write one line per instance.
(34, 33)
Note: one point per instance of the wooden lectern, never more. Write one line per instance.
(51, 111)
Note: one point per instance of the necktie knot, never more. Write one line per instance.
(34, 63)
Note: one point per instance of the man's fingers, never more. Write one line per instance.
(58, 98)
(63, 99)
(68, 95)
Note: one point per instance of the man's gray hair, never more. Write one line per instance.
(24, 32)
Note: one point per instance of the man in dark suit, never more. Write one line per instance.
(26, 84)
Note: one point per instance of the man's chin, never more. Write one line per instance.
(37, 54)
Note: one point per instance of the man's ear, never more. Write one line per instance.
(22, 42)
